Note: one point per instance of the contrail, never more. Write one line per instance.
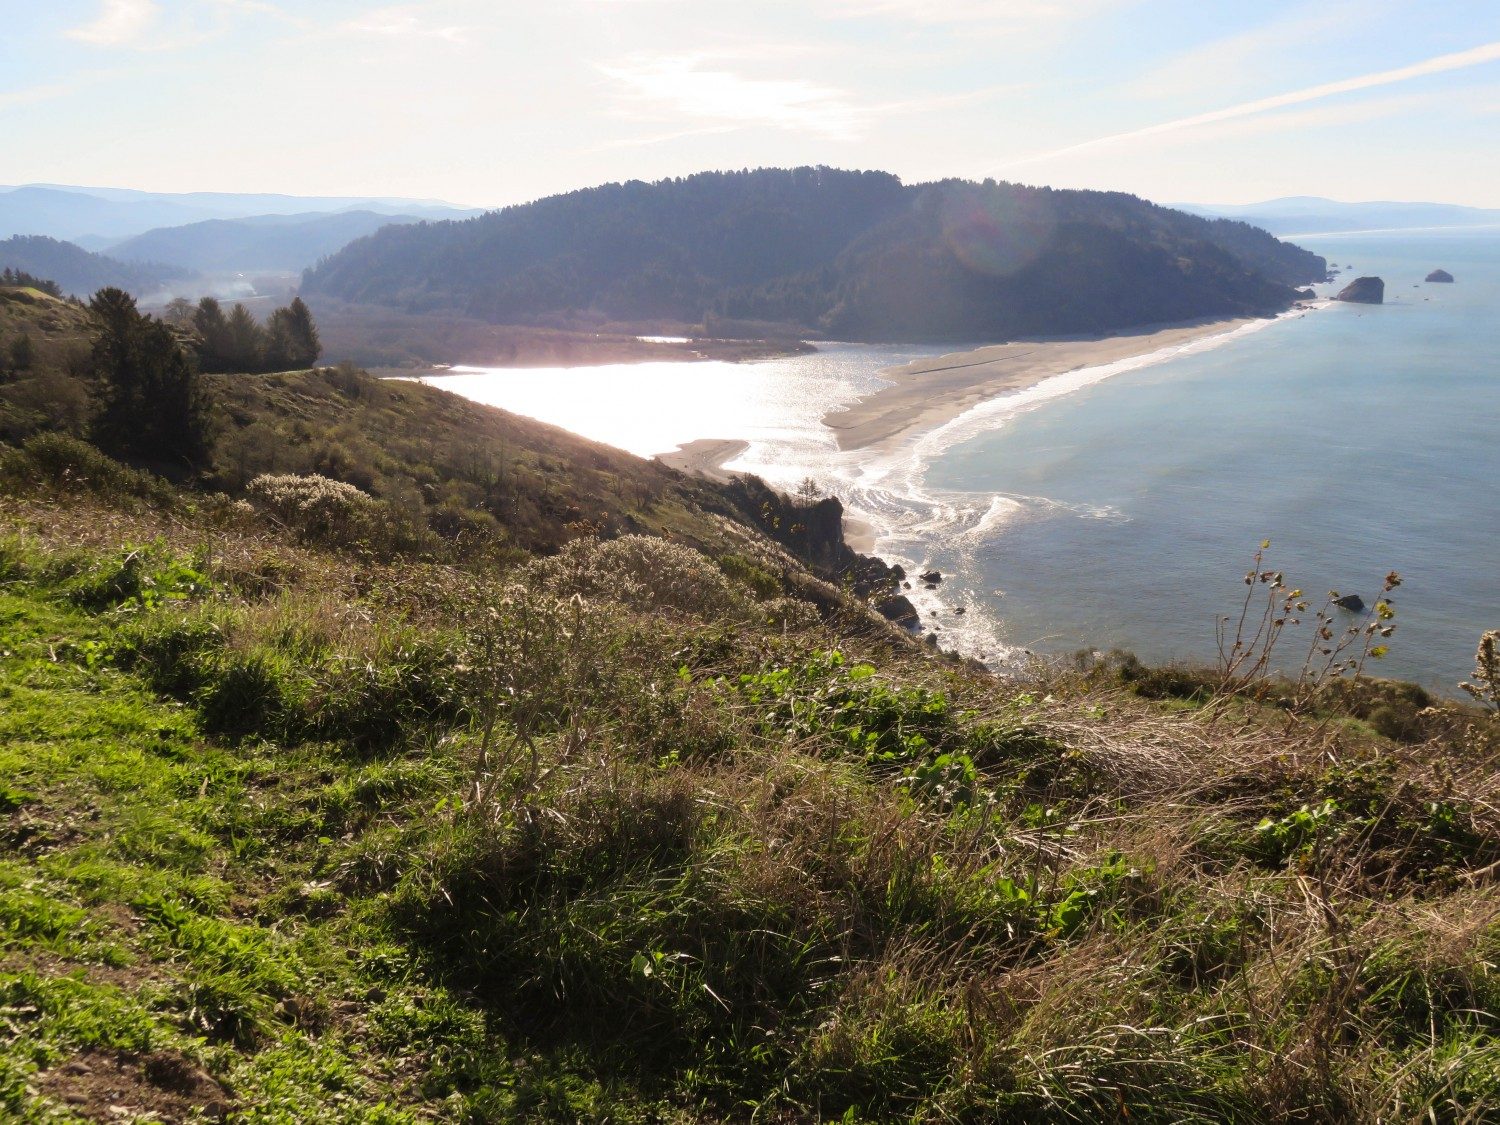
(1459, 60)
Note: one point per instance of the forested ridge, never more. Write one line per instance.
(76, 270)
(857, 255)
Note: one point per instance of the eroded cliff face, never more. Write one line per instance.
(814, 532)
(1363, 291)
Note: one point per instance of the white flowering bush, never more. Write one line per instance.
(312, 504)
(640, 572)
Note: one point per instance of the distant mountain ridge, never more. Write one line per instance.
(852, 255)
(78, 271)
(261, 242)
(100, 216)
(1307, 214)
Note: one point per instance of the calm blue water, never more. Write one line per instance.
(1358, 439)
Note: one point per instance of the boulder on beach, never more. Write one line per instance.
(1441, 275)
(898, 609)
(1363, 291)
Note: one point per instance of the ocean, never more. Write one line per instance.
(1120, 507)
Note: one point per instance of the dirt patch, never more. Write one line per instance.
(105, 1087)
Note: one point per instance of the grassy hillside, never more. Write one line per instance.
(299, 835)
(317, 808)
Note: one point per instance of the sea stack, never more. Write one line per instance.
(1441, 275)
(1363, 291)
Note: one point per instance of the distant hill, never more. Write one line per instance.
(856, 255)
(262, 242)
(1306, 214)
(77, 270)
(101, 216)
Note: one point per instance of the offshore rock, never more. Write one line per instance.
(1441, 275)
(1352, 602)
(1363, 291)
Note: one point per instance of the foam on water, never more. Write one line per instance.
(933, 499)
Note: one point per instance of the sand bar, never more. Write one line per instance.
(928, 392)
(706, 456)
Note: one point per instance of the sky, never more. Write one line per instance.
(489, 102)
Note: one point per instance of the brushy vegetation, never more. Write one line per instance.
(607, 809)
(294, 833)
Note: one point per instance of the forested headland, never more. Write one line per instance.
(818, 251)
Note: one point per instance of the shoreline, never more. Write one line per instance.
(705, 456)
(927, 393)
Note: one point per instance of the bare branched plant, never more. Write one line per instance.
(1485, 686)
(1247, 649)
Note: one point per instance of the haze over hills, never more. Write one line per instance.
(854, 255)
(100, 216)
(261, 242)
(1307, 214)
(79, 271)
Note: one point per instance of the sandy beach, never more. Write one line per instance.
(706, 456)
(928, 392)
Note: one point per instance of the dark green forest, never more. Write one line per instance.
(854, 255)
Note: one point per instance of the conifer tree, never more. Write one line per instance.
(213, 334)
(304, 333)
(151, 402)
(247, 341)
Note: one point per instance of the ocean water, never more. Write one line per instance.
(1120, 506)
(1357, 439)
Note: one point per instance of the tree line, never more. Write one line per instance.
(20, 279)
(148, 401)
(236, 342)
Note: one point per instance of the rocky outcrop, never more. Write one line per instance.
(1363, 291)
(898, 609)
(1441, 275)
(1307, 295)
(814, 532)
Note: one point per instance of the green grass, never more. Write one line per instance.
(627, 834)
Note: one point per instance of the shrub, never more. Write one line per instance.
(640, 572)
(68, 464)
(316, 506)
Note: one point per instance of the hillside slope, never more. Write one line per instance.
(263, 242)
(856, 254)
(80, 272)
(491, 775)
(290, 832)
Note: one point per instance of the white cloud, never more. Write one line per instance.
(1237, 58)
(678, 85)
(119, 23)
(32, 94)
(1008, 13)
(1442, 64)
(700, 88)
(404, 21)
